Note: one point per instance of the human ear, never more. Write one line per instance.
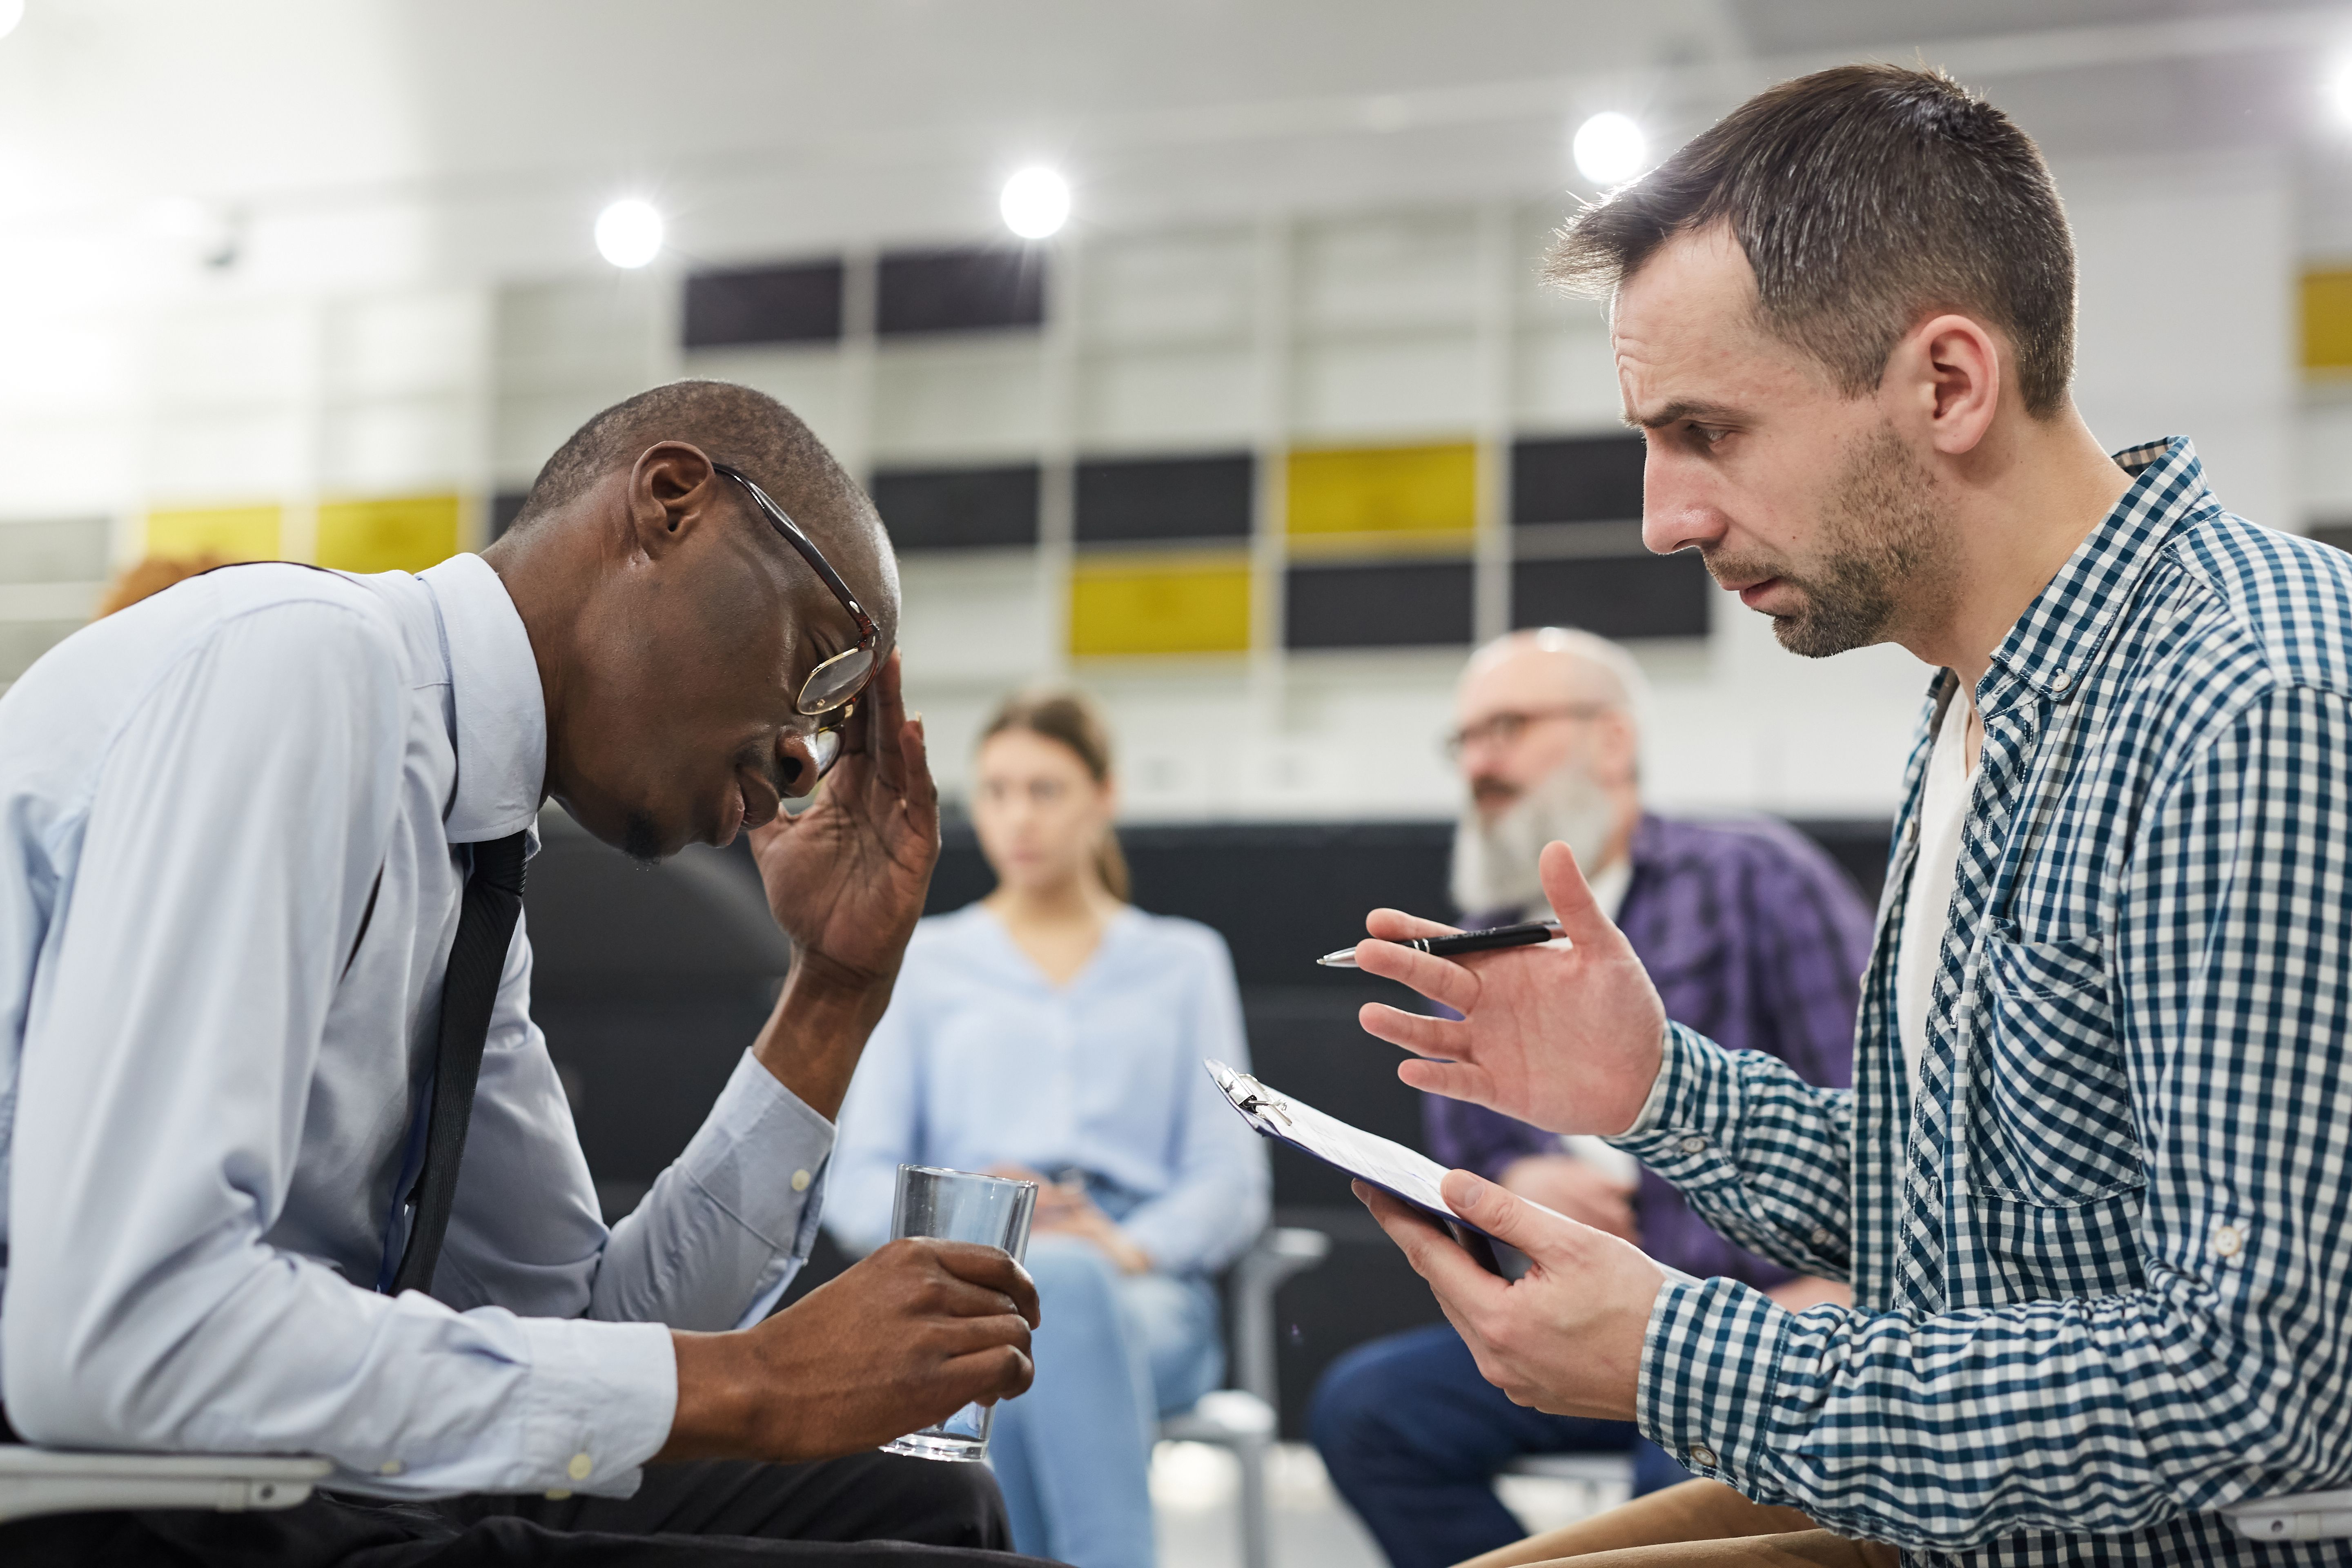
(672, 489)
(1947, 375)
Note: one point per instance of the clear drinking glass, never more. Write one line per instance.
(957, 1206)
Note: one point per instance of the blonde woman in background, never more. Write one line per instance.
(1054, 1031)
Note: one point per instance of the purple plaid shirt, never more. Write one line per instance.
(1756, 939)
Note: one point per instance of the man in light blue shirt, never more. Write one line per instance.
(236, 822)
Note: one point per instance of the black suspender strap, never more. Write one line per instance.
(485, 923)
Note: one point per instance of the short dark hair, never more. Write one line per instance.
(1866, 197)
(737, 426)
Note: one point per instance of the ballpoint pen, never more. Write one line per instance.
(1528, 935)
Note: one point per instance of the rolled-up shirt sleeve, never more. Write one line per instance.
(230, 844)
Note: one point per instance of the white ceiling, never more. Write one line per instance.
(474, 136)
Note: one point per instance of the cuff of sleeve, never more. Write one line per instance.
(1675, 1115)
(602, 1397)
(1708, 1365)
(759, 1156)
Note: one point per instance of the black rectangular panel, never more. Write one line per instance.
(2340, 534)
(961, 290)
(1165, 498)
(1392, 603)
(1614, 596)
(799, 304)
(1577, 478)
(958, 509)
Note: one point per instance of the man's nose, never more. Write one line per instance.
(1480, 752)
(794, 774)
(1677, 507)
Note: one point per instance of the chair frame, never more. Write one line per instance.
(1244, 1417)
(34, 1481)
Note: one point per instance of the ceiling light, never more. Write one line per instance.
(628, 232)
(1035, 202)
(1610, 149)
(11, 13)
(2339, 89)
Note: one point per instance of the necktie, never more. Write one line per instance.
(486, 923)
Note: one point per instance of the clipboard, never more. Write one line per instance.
(1403, 1173)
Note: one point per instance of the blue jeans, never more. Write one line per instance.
(1413, 1437)
(1113, 1353)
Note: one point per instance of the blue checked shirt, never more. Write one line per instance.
(2101, 1264)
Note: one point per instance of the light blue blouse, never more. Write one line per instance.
(982, 1061)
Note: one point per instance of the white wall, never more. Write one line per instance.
(411, 315)
(2186, 327)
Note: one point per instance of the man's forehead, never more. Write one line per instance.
(1524, 676)
(1685, 335)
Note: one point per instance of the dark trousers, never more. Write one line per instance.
(869, 1511)
(1413, 1437)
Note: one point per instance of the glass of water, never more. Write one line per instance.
(957, 1206)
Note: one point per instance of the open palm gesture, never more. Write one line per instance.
(1568, 1038)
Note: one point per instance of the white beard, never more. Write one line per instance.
(1494, 862)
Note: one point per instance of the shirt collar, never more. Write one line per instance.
(502, 713)
(2057, 641)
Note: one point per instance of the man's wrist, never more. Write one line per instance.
(1653, 1104)
(711, 1420)
(818, 1030)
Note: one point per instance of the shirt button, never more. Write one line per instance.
(2059, 680)
(581, 1466)
(801, 1181)
(1702, 1455)
(1694, 1145)
(2227, 1241)
(1821, 1237)
(390, 1467)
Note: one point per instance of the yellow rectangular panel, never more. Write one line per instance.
(1127, 605)
(2327, 322)
(1392, 491)
(231, 532)
(402, 534)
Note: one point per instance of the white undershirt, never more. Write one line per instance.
(1935, 875)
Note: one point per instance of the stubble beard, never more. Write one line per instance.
(1885, 555)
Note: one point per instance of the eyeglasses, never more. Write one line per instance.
(833, 686)
(1505, 729)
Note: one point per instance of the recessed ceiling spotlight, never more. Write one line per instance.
(629, 233)
(2339, 88)
(1610, 149)
(1035, 202)
(11, 13)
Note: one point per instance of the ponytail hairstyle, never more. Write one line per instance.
(1075, 723)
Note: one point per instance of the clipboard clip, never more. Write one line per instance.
(1251, 1097)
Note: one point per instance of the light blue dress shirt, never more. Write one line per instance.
(982, 1060)
(212, 1067)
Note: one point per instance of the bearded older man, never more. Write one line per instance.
(1746, 924)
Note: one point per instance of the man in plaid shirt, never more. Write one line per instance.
(2089, 1184)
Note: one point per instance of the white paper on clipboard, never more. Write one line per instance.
(1406, 1172)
